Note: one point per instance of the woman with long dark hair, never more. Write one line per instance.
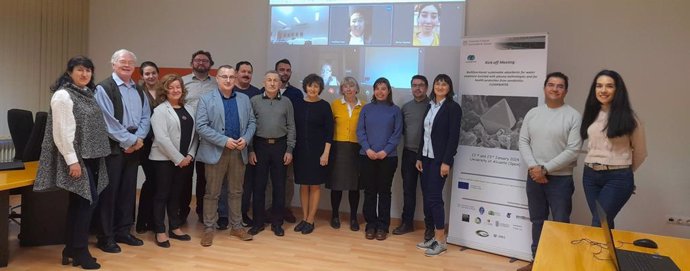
(437, 149)
(74, 145)
(378, 132)
(616, 145)
(149, 75)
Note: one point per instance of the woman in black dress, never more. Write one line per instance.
(314, 122)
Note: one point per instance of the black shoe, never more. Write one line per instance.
(308, 228)
(354, 225)
(83, 257)
(184, 237)
(288, 216)
(278, 230)
(142, 228)
(369, 234)
(256, 230)
(403, 229)
(428, 233)
(381, 235)
(164, 244)
(68, 255)
(300, 225)
(246, 221)
(222, 223)
(335, 222)
(108, 246)
(130, 240)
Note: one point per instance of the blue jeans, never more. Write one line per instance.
(554, 196)
(612, 188)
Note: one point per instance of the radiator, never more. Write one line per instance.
(6, 150)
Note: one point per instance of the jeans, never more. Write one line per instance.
(612, 188)
(554, 196)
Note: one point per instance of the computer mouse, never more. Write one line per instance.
(645, 243)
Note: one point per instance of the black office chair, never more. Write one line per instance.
(32, 150)
(20, 122)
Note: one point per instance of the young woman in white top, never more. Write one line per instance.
(616, 146)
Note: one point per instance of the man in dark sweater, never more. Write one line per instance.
(413, 116)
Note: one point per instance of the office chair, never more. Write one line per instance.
(21, 123)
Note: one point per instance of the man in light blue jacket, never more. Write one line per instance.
(226, 125)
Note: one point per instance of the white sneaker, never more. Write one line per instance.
(436, 249)
(426, 244)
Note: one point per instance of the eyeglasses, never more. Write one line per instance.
(205, 61)
(125, 62)
(226, 77)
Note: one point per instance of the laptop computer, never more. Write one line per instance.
(11, 165)
(626, 260)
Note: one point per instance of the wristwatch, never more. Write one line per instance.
(544, 169)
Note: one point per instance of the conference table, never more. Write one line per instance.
(10, 179)
(558, 251)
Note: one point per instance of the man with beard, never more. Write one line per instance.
(243, 84)
(198, 83)
(127, 116)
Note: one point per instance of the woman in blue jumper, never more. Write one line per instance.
(378, 132)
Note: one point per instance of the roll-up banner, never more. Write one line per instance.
(501, 78)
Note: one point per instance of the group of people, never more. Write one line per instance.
(551, 137)
(245, 142)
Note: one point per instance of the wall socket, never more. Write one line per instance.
(678, 220)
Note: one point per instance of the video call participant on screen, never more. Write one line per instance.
(549, 142)
(360, 26)
(327, 75)
(616, 145)
(426, 30)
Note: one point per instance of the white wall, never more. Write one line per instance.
(645, 41)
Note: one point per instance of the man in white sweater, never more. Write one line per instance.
(549, 144)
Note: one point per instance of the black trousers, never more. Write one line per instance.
(117, 202)
(145, 208)
(80, 210)
(377, 178)
(169, 183)
(410, 178)
(200, 188)
(269, 158)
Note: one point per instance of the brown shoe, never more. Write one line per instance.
(526, 268)
(369, 234)
(242, 234)
(207, 238)
(381, 235)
